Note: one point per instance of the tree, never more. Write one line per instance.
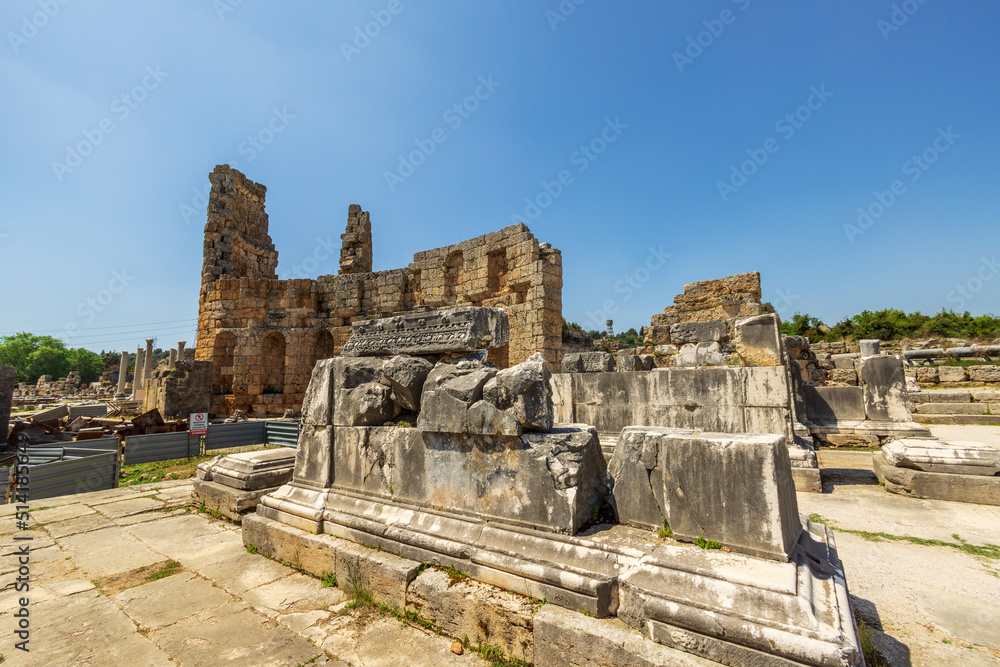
(89, 364)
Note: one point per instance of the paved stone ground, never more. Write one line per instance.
(937, 605)
(218, 606)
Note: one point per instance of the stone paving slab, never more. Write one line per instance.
(164, 602)
(296, 593)
(240, 573)
(61, 513)
(108, 551)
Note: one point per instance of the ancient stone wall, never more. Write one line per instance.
(264, 335)
(180, 391)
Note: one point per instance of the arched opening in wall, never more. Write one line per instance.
(454, 268)
(223, 353)
(273, 363)
(324, 347)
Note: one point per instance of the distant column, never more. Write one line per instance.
(180, 349)
(122, 373)
(147, 363)
(137, 375)
(173, 359)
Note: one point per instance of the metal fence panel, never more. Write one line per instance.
(51, 413)
(93, 471)
(158, 447)
(239, 434)
(93, 410)
(285, 434)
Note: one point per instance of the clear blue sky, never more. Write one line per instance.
(157, 94)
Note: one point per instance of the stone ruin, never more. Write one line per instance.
(263, 335)
(417, 445)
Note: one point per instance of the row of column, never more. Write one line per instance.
(144, 368)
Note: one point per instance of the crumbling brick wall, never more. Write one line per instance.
(246, 315)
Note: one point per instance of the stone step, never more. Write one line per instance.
(932, 396)
(986, 396)
(952, 408)
(988, 420)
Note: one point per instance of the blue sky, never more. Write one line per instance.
(693, 141)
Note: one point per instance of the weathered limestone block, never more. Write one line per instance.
(953, 482)
(406, 377)
(317, 407)
(736, 489)
(448, 393)
(548, 481)
(884, 383)
(463, 329)
(359, 397)
(314, 456)
(969, 458)
(928, 375)
(249, 471)
(524, 391)
(758, 340)
(952, 374)
(469, 608)
(796, 342)
(626, 362)
(843, 377)
(845, 361)
(698, 332)
(984, 373)
(700, 354)
(370, 404)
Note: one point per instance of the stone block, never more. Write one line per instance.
(736, 489)
(796, 342)
(626, 362)
(952, 374)
(664, 350)
(978, 489)
(523, 391)
(314, 456)
(931, 455)
(758, 340)
(843, 376)
(249, 471)
(826, 405)
(984, 373)
(385, 575)
(698, 332)
(469, 608)
(941, 396)
(884, 385)
(844, 361)
(232, 503)
(986, 396)
(700, 354)
(951, 408)
(448, 394)
(597, 362)
(928, 375)
(406, 376)
(462, 329)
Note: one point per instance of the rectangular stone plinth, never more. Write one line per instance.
(546, 481)
(249, 471)
(733, 489)
(232, 503)
(464, 329)
(963, 488)
(930, 455)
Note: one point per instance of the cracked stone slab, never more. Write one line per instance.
(297, 593)
(232, 634)
(123, 508)
(108, 551)
(82, 524)
(245, 571)
(85, 629)
(164, 602)
(61, 513)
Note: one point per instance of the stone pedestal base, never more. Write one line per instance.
(734, 609)
(961, 488)
(807, 480)
(233, 504)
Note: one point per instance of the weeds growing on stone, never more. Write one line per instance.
(454, 575)
(985, 551)
(329, 580)
(707, 544)
(251, 549)
(665, 532)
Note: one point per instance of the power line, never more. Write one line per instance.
(115, 326)
(97, 340)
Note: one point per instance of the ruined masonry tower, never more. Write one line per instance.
(263, 335)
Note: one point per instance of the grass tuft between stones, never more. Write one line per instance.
(991, 551)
